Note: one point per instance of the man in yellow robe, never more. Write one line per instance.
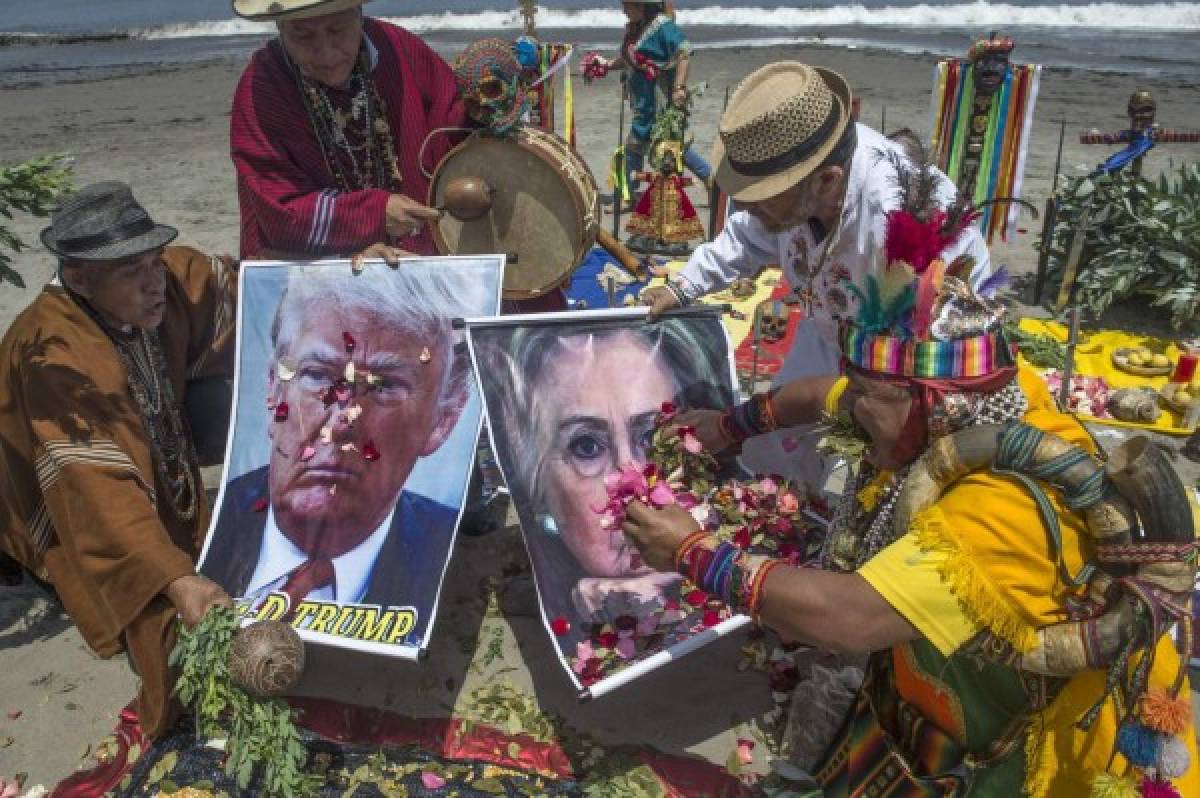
(1019, 640)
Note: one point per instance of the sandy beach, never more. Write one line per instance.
(167, 134)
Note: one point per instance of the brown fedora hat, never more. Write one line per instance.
(276, 10)
(783, 120)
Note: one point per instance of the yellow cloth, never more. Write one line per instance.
(1093, 358)
(997, 562)
(738, 329)
(910, 580)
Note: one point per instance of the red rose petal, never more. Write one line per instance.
(607, 639)
(560, 626)
(281, 411)
(696, 598)
(369, 452)
(260, 506)
(349, 341)
(711, 617)
(741, 538)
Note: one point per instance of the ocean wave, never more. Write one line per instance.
(1176, 17)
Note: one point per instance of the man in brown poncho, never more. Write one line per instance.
(100, 491)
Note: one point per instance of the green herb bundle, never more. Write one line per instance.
(259, 732)
(1040, 350)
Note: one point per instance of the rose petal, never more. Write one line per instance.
(307, 453)
(744, 751)
(432, 781)
(349, 341)
(369, 452)
(607, 639)
(692, 444)
(282, 411)
(259, 506)
(560, 626)
(696, 598)
(711, 618)
(584, 651)
(661, 495)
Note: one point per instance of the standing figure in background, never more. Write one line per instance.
(664, 221)
(655, 57)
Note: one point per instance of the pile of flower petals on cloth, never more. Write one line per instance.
(1088, 395)
(765, 516)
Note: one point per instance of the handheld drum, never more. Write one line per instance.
(527, 196)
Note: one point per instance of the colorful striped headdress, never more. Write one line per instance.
(921, 317)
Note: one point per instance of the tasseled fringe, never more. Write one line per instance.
(1165, 713)
(1106, 785)
(970, 585)
(1173, 758)
(1158, 789)
(1139, 745)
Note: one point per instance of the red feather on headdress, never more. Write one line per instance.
(909, 240)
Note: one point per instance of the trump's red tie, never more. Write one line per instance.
(314, 574)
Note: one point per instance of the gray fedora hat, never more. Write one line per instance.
(103, 222)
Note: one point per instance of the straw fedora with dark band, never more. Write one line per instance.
(104, 222)
(276, 10)
(781, 124)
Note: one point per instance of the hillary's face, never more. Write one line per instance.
(354, 403)
(603, 396)
(326, 47)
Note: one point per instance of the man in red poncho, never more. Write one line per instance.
(328, 133)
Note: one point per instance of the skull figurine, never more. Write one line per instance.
(773, 321)
(490, 82)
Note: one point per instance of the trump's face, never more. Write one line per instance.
(353, 402)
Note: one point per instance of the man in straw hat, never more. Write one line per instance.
(328, 133)
(1016, 617)
(813, 189)
(101, 492)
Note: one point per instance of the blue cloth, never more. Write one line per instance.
(585, 288)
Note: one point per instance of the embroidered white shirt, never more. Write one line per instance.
(745, 246)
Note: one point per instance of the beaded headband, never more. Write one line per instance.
(977, 356)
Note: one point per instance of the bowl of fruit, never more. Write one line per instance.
(1180, 398)
(1142, 361)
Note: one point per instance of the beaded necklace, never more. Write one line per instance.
(862, 526)
(141, 355)
(362, 136)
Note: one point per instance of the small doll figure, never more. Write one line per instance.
(664, 222)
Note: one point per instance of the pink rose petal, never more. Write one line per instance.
(308, 453)
(432, 781)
